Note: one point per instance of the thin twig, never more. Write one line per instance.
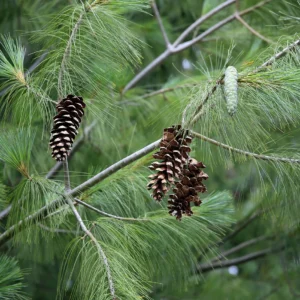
(67, 54)
(201, 20)
(167, 90)
(107, 214)
(246, 153)
(212, 29)
(240, 247)
(169, 51)
(243, 225)
(251, 29)
(160, 23)
(57, 230)
(99, 248)
(199, 110)
(205, 267)
(66, 175)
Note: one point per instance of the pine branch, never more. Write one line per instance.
(202, 19)
(99, 248)
(206, 267)
(86, 231)
(279, 55)
(107, 214)
(54, 205)
(199, 112)
(177, 46)
(246, 153)
(56, 168)
(67, 176)
(115, 167)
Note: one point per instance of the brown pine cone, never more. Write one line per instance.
(66, 124)
(187, 189)
(173, 153)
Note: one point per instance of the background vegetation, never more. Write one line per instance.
(142, 66)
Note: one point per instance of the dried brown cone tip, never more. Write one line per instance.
(187, 189)
(173, 153)
(66, 124)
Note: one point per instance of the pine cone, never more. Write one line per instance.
(174, 153)
(187, 189)
(66, 124)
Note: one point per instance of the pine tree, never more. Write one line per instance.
(85, 226)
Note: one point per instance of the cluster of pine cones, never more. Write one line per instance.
(176, 169)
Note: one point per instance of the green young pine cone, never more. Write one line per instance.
(231, 89)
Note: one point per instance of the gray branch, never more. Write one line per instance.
(205, 267)
(177, 47)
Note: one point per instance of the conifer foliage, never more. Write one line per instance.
(96, 220)
(66, 124)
